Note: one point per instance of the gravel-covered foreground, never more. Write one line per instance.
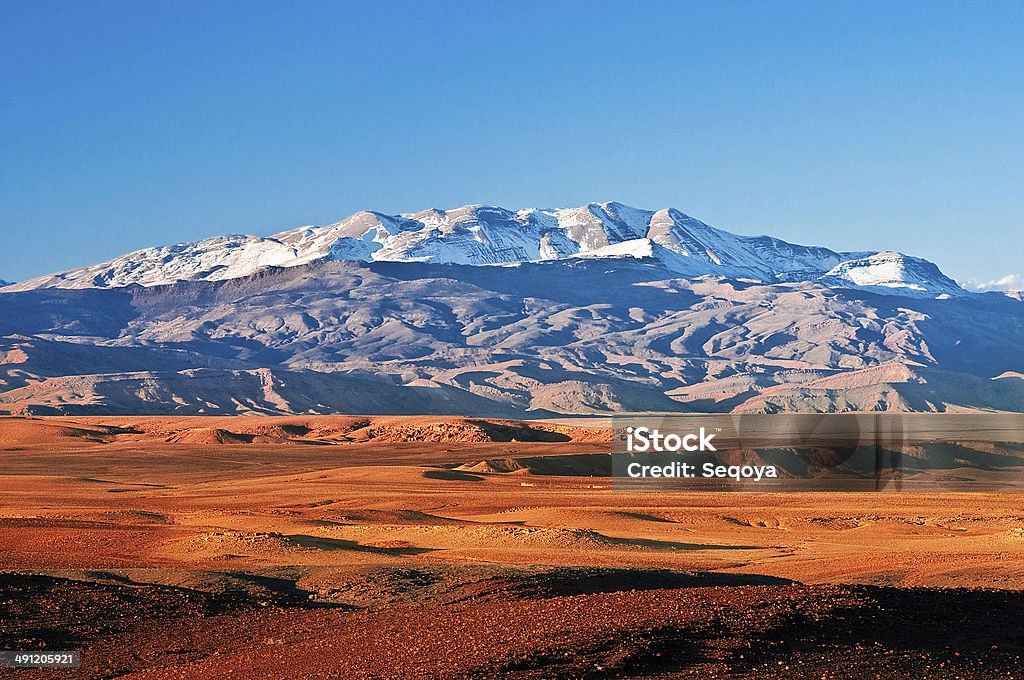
(560, 623)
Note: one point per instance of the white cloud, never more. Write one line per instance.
(1008, 282)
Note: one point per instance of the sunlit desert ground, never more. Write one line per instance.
(399, 547)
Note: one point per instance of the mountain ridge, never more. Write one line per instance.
(490, 235)
(572, 336)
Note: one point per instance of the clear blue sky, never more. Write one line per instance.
(859, 125)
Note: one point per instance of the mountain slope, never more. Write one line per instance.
(890, 272)
(573, 335)
(487, 235)
(485, 311)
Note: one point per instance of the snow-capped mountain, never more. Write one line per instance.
(488, 235)
(485, 311)
(888, 271)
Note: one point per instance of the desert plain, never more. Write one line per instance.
(345, 546)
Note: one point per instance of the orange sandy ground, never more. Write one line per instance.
(344, 542)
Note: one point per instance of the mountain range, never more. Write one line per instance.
(486, 235)
(493, 312)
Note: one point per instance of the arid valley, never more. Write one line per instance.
(426, 546)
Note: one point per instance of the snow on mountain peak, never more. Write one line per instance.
(638, 248)
(888, 271)
(490, 235)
